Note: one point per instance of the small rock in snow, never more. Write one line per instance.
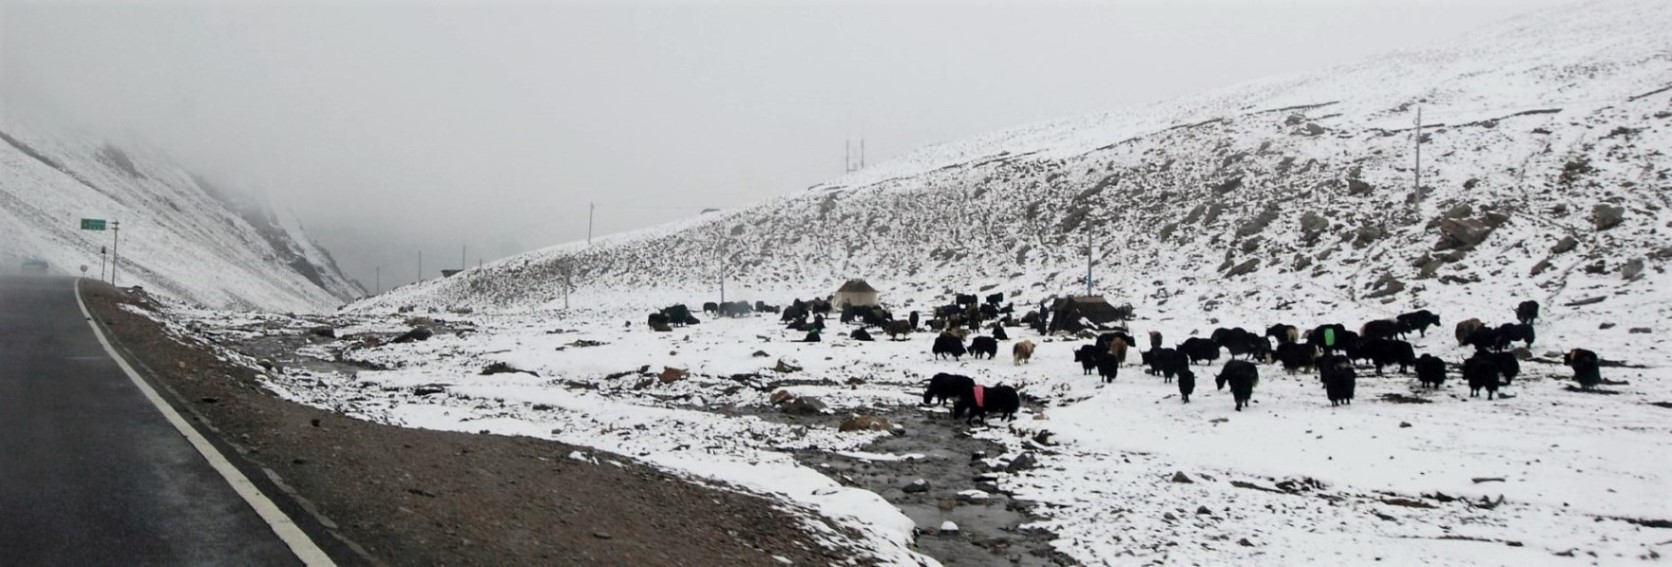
(1181, 478)
(948, 527)
(1203, 511)
(916, 486)
(1404, 424)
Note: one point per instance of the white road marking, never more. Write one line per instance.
(287, 530)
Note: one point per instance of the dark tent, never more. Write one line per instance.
(1081, 312)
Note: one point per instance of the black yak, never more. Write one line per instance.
(1586, 367)
(1087, 356)
(1418, 321)
(1199, 350)
(980, 401)
(1340, 379)
(943, 387)
(1379, 329)
(1431, 371)
(984, 346)
(898, 328)
(1107, 367)
(860, 335)
(1332, 338)
(1527, 311)
(1482, 373)
(998, 332)
(1297, 356)
(948, 344)
(1514, 332)
(1187, 383)
(1242, 376)
(1388, 352)
(1285, 334)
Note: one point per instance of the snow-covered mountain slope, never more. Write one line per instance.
(180, 236)
(1544, 175)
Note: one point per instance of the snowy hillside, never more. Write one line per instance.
(180, 237)
(1544, 175)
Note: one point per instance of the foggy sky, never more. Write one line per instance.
(391, 128)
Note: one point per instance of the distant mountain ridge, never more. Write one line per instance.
(1544, 175)
(180, 237)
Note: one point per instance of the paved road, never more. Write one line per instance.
(91, 473)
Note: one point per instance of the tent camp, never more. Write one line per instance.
(856, 293)
(1080, 312)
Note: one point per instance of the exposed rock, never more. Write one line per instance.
(1250, 245)
(1359, 187)
(1632, 270)
(1313, 129)
(1214, 210)
(1462, 210)
(670, 374)
(419, 321)
(1258, 222)
(503, 368)
(429, 390)
(865, 423)
(1605, 216)
(1301, 262)
(1523, 353)
(1565, 245)
(1312, 223)
(1640, 331)
(1386, 287)
(1541, 267)
(326, 332)
(916, 487)
(1606, 326)
(1462, 233)
(1246, 267)
(786, 366)
(1022, 462)
(947, 527)
(1181, 478)
(781, 396)
(803, 406)
(1365, 235)
(1203, 511)
(1586, 301)
(760, 354)
(1227, 186)
(416, 334)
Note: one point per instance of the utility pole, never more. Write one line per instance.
(1088, 262)
(462, 264)
(420, 265)
(102, 253)
(115, 254)
(861, 152)
(379, 280)
(567, 283)
(847, 155)
(1418, 187)
(590, 209)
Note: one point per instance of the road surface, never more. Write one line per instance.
(91, 472)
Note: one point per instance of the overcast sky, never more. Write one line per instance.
(391, 127)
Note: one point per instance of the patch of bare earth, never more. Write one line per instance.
(402, 496)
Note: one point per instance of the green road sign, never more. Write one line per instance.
(92, 224)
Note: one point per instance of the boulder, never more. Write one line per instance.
(1240, 269)
(803, 406)
(865, 423)
(1462, 233)
(1605, 216)
(1022, 462)
(416, 334)
(1632, 270)
(670, 374)
(1565, 245)
(1312, 223)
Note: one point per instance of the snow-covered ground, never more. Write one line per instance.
(1314, 484)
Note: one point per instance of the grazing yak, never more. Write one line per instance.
(710, 307)
(1239, 341)
(965, 299)
(998, 332)
(914, 319)
(1418, 321)
(1021, 352)
(1297, 356)
(943, 387)
(679, 315)
(1508, 365)
(1388, 352)
(1431, 371)
(984, 345)
(1379, 329)
(898, 328)
(948, 344)
(1285, 334)
(980, 401)
(1586, 367)
(1332, 338)
(1165, 362)
(1527, 312)
(1187, 383)
(735, 309)
(1482, 373)
(860, 335)
(1199, 350)
(1242, 375)
(1466, 330)
(1340, 379)
(659, 322)
(762, 307)
(1107, 367)
(1514, 332)
(1087, 356)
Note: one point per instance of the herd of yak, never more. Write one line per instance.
(1331, 350)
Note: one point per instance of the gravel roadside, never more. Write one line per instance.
(378, 494)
